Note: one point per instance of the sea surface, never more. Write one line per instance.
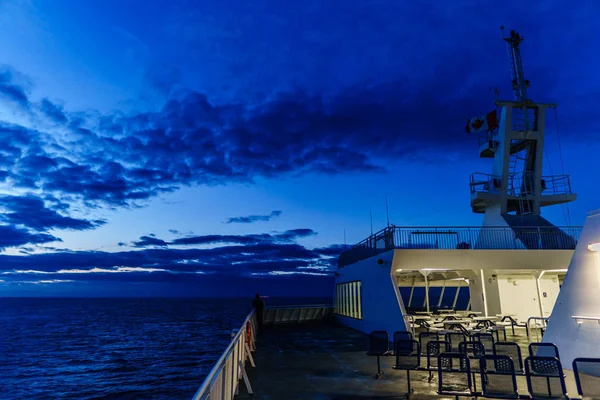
(152, 348)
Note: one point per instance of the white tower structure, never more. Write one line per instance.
(516, 190)
(574, 325)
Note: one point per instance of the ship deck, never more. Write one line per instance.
(327, 361)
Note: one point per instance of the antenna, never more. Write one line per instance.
(345, 245)
(517, 77)
(387, 211)
(371, 215)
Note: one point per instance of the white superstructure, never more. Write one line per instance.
(513, 264)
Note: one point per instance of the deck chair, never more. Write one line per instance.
(543, 350)
(498, 379)
(434, 349)
(587, 377)
(408, 358)
(402, 335)
(454, 375)
(486, 339)
(545, 378)
(473, 351)
(513, 351)
(378, 346)
(426, 337)
(454, 338)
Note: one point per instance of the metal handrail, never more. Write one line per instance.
(543, 326)
(462, 237)
(226, 370)
(579, 318)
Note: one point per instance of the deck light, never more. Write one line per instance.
(594, 246)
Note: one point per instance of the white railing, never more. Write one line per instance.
(538, 323)
(222, 383)
(580, 318)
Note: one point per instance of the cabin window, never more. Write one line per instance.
(348, 299)
(463, 299)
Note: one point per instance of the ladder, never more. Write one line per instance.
(514, 188)
(526, 203)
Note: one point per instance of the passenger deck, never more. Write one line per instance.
(328, 361)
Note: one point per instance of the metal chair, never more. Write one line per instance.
(474, 351)
(426, 337)
(454, 375)
(378, 346)
(498, 379)
(543, 350)
(408, 358)
(454, 338)
(513, 351)
(587, 377)
(434, 349)
(402, 335)
(545, 378)
(486, 339)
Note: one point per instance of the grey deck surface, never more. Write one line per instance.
(326, 361)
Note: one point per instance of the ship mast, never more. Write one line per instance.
(519, 83)
(515, 191)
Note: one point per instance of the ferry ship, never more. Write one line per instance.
(509, 309)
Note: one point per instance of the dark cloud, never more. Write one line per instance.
(259, 255)
(31, 212)
(249, 219)
(120, 160)
(289, 236)
(250, 260)
(146, 241)
(11, 236)
(333, 250)
(11, 90)
(53, 111)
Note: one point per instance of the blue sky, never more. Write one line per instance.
(219, 148)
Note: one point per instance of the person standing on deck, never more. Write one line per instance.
(259, 305)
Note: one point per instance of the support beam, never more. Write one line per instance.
(456, 297)
(412, 290)
(484, 293)
(442, 294)
(426, 292)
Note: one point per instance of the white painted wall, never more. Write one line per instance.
(518, 296)
(476, 295)
(492, 293)
(579, 296)
(551, 287)
(481, 259)
(381, 304)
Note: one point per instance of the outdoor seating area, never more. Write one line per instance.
(471, 322)
(326, 360)
(480, 366)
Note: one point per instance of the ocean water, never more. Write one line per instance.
(157, 348)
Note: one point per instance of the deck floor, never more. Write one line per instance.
(326, 361)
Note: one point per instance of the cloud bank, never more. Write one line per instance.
(249, 219)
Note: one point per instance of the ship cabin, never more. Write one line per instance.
(406, 277)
